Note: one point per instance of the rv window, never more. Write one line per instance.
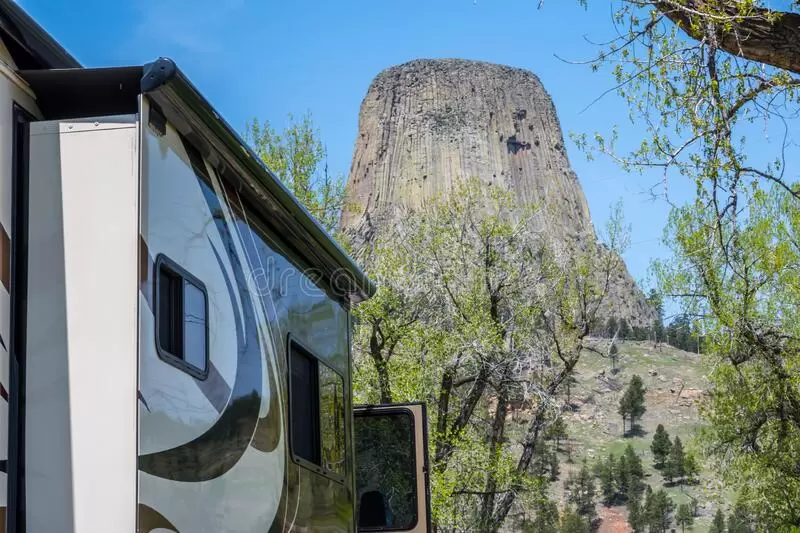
(181, 318)
(304, 405)
(385, 471)
(316, 409)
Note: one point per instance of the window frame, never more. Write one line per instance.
(168, 357)
(291, 344)
(391, 410)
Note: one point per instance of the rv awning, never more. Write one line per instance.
(79, 92)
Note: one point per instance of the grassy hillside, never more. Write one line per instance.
(675, 381)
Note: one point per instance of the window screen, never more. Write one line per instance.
(181, 318)
(317, 407)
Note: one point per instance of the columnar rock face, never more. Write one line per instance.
(425, 124)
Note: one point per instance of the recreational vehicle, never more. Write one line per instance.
(175, 351)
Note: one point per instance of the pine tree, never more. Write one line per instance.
(622, 476)
(718, 524)
(675, 465)
(659, 510)
(624, 329)
(611, 327)
(684, 517)
(606, 471)
(636, 514)
(660, 446)
(572, 522)
(613, 354)
(637, 407)
(581, 492)
(545, 517)
(635, 472)
(624, 409)
(556, 431)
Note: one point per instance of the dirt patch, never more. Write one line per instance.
(613, 520)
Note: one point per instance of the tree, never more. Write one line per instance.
(556, 431)
(580, 490)
(691, 468)
(297, 156)
(684, 517)
(624, 329)
(631, 404)
(572, 522)
(612, 328)
(636, 513)
(739, 521)
(607, 472)
(675, 467)
(713, 83)
(545, 518)
(660, 446)
(477, 308)
(718, 524)
(635, 472)
(613, 354)
(659, 508)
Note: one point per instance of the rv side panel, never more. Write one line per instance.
(82, 318)
(15, 98)
(215, 420)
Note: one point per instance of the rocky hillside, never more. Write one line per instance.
(427, 123)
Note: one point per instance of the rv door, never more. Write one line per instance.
(391, 456)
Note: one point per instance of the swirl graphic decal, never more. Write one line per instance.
(220, 448)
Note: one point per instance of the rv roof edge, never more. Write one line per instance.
(164, 82)
(17, 24)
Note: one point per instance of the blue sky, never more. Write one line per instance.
(265, 59)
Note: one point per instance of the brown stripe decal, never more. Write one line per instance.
(150, 520)
(5, 258)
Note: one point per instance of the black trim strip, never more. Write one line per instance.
(18, 327)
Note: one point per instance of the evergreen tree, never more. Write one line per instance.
(613, 354)
(660, 446)
(545, 517)
(606, 471)
(675, 465)
(624, 329)
(658, 511)
(636, 514)
(718, 524)
(556, 431)
(572, 522)
(635, 472)
(611, 327)
(622, 476)
(581, 492)
(684, 517)
(631, 405)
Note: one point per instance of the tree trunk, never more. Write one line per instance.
(755, 37)
(529, 443)
(495, 440)
(381, 366)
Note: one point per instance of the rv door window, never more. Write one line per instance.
(386, 471)
(181, 318)
(331, 400)
(316, 412)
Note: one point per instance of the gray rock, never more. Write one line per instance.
(427, 123)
